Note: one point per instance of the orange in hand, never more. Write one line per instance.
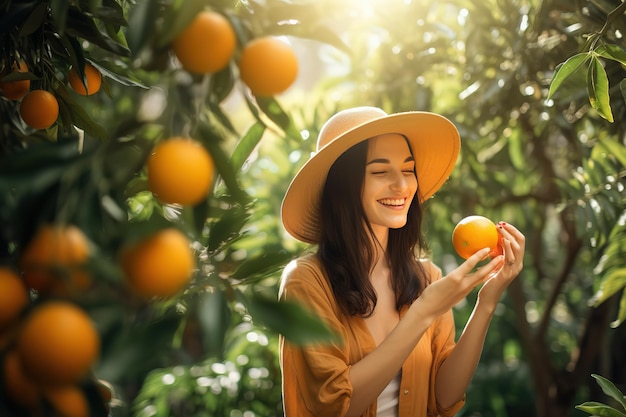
(474, 233)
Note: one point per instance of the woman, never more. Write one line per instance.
(359, 200)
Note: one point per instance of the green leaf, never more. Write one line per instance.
(614, 149)
(289, 319)
(214, 317)
(74, 114)
(58, 9)
(598, 89)
(567, 70)
(83, 26)
(275, 112)
(141, 24)
(124, 353)
(622, 88)
(610, 389)
(621, 314)
(246, 145)
(599, 409)
(177, 19)
(612, 52)
(221, 84)
(227, 227)
(228, 174)
(35, 20)
(261, 266)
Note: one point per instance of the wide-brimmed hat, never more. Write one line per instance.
(434, 141)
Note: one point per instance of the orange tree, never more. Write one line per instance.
(162, 281)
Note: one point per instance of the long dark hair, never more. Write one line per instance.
(345, 248)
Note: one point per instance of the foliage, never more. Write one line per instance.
(599, 409)
(88, 170)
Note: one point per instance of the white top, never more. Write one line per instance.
(387, 403)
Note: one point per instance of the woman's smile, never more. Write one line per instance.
(393, 203)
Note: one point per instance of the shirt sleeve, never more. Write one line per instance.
(443, 341)
(315, 377)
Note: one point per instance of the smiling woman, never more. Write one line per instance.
(359, 199)
(390, 183)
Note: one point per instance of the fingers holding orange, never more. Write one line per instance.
(514, 244)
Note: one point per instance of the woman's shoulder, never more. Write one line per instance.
(303, 264)
(304, 271)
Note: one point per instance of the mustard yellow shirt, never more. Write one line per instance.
(316, 377)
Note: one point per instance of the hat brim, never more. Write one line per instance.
(435, 143)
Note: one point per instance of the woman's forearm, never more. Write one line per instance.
(456, 372)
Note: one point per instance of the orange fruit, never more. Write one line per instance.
(68, 401)
(268, 66)
(13, 297)
(207, 44)
(499, 249)
(180, 170)
(58, 343)
(472, 234)
(15, 90)
(19, 386)
(39, 109)
(160, 265)
(54, 260)
(93, 78)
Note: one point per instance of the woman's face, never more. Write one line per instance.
(390, 184)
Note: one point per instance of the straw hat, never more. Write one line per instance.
(434, 141)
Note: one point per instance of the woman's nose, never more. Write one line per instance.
(399, 182)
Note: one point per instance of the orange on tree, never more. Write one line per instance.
(39, 109)
(207, 44)
(93, 80)
(15, 90)
(268, 66)
(19, 386)
(160, 265)
(180, 170)
(474, 233)
(58, 343)
(67, 400)
(54, 261)
(13, 297)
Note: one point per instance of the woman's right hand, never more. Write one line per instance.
(441, 295)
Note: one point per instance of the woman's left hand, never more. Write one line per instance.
(513, 243)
